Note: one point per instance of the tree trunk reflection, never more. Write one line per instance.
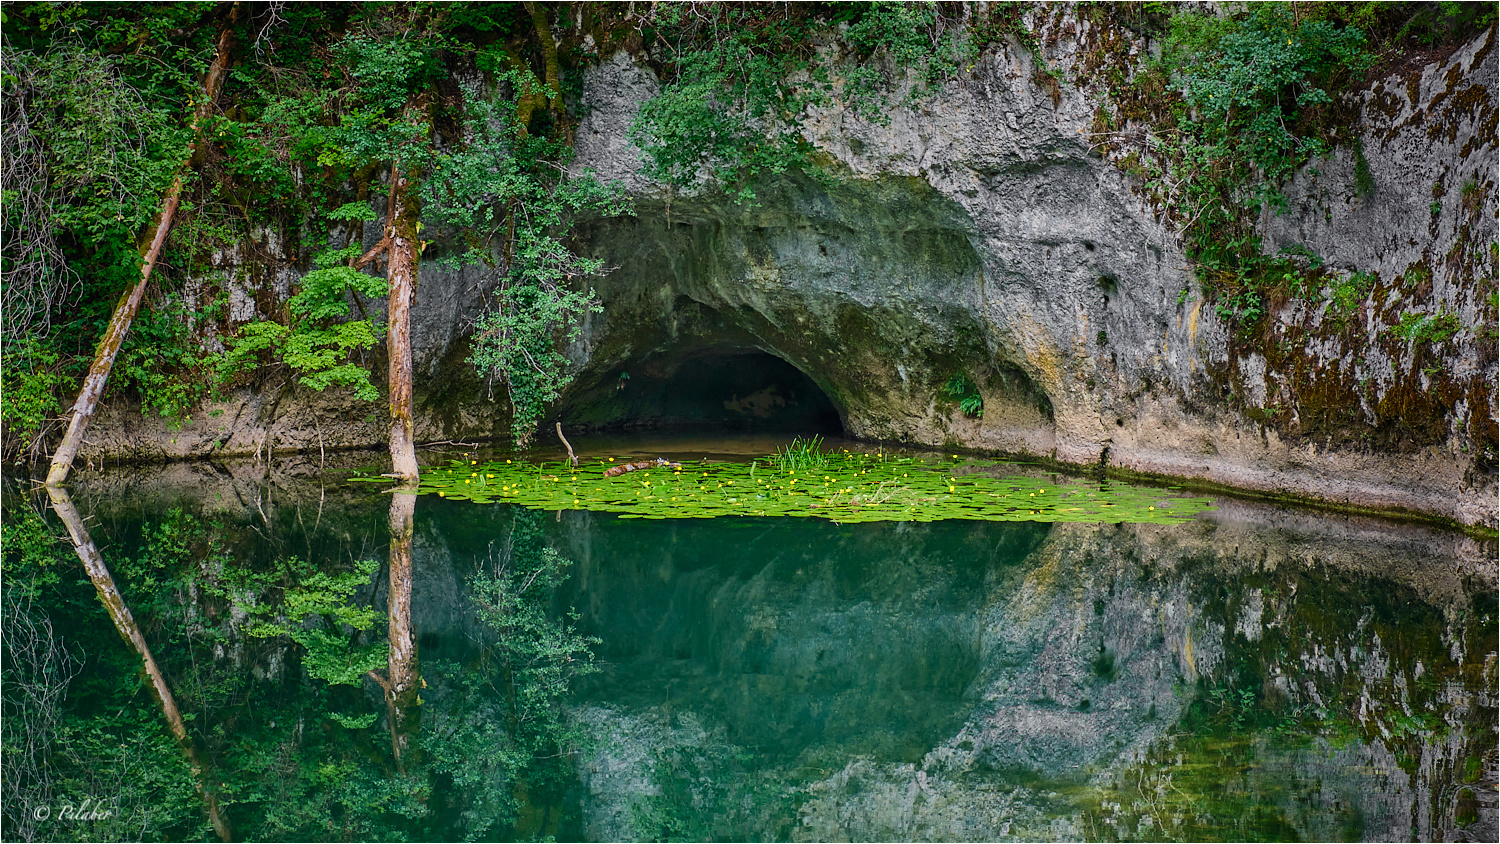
(119, 613)
(404, 682)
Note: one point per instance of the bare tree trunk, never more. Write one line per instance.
(130, 303)
(119, 613)
(402, 690)
(401, 224)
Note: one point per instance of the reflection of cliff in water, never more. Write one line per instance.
(946, 681)
(1256, 674)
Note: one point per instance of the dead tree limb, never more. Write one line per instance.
(573, 458)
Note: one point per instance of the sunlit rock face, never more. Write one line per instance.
(977, 233)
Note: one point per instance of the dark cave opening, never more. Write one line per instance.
(735, 389)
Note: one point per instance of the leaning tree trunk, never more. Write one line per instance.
(119, 613)
(130, 303)
(402, 277)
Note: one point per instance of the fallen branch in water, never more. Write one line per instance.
(616, 471)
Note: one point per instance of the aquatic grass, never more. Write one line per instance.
(800, 456)
(844, 488)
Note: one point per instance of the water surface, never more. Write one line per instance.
(1257, 673)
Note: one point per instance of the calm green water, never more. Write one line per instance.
(1252, 674)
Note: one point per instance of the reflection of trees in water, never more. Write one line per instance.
(270, 662)
(119, 613)
(38, 669)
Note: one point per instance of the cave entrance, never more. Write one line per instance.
(733, 389)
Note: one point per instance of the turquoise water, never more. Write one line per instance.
(1257, 673)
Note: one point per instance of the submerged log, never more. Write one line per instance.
(616, 471)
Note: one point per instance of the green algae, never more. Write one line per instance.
(844, 487)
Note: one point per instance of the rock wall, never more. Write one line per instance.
(977, 234)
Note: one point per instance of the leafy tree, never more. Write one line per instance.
(508, 191)
(490, 193)
(321, 340)
(739, 81)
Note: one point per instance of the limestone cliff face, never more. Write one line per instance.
(977, 234)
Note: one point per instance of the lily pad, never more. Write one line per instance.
(845, 487)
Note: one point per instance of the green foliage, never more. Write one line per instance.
(1425, 328)
(1258, 90)
(1250, 81)
(740, 79)
(800, 455)
(1244, 305)
(1349, 293)
(325, 597)
(35, 558)
(962, 390)
(93, 140)
(730, 112)
(1364, 182)
(33, 382)
(913, 37)
(510, 193)
(1399, 28)
(110, 149)
(319, 344)
(163, 357)
(537, 655)
(519, 341)
(510, 734)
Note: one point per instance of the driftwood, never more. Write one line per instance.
(571, 456)
(130, 302)
(616, 471)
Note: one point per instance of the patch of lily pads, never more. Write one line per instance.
(842, 487)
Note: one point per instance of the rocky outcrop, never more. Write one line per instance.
(977, 234)
(975, 237)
